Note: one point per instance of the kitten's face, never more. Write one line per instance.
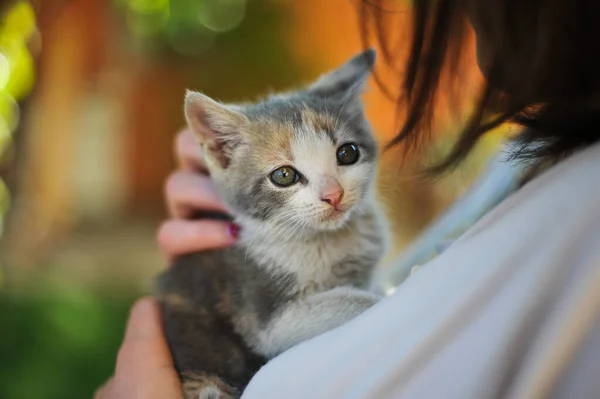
(312, 173)
(304, 160)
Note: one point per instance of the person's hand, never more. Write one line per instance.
(188, 190)
(144, 366)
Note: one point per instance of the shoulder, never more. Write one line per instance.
(559, 201)
(494, 313)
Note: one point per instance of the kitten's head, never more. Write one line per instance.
(304, 160)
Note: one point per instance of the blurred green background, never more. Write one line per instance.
(90, 101)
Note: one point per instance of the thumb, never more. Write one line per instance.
(144, 323)
(144, 363)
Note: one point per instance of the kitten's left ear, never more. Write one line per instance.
(216, 125)
(351, 77)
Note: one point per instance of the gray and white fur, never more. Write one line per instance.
(303, 260)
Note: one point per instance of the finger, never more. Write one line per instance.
(104, 391)
(144, 347)
(178, 237)
(188, 191)
(144, 321)
(144, 363)
(188, 151)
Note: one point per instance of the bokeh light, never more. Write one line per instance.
(17, 76)
(186, 26)
(4, 71)
(222, 15)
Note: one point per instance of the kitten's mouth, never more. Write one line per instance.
(335, 213)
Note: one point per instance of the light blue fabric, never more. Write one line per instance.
(500, 179)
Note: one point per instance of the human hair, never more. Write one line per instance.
(541, 65)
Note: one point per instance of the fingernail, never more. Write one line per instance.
(234, 230)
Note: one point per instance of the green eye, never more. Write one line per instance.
(347, 154)
(284, 176)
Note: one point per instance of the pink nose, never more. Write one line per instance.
(333, 197)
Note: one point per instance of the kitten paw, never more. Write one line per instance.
(200, 386)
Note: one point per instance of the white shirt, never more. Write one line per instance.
(511, 309)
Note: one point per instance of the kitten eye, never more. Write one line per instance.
(284, 176)
(347, 154)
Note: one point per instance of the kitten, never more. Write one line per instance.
(298, 172)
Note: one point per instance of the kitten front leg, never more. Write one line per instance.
(312, 315)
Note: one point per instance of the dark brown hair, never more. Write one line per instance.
(543, 71)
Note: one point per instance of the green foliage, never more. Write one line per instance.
(58, 345)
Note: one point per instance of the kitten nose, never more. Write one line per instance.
(333, 196)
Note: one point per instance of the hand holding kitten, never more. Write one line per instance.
(144, 367)
(189, 190)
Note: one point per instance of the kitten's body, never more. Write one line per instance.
(290, 277)
(213, 300)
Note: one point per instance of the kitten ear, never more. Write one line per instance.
(215, 125)
(351, 77)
